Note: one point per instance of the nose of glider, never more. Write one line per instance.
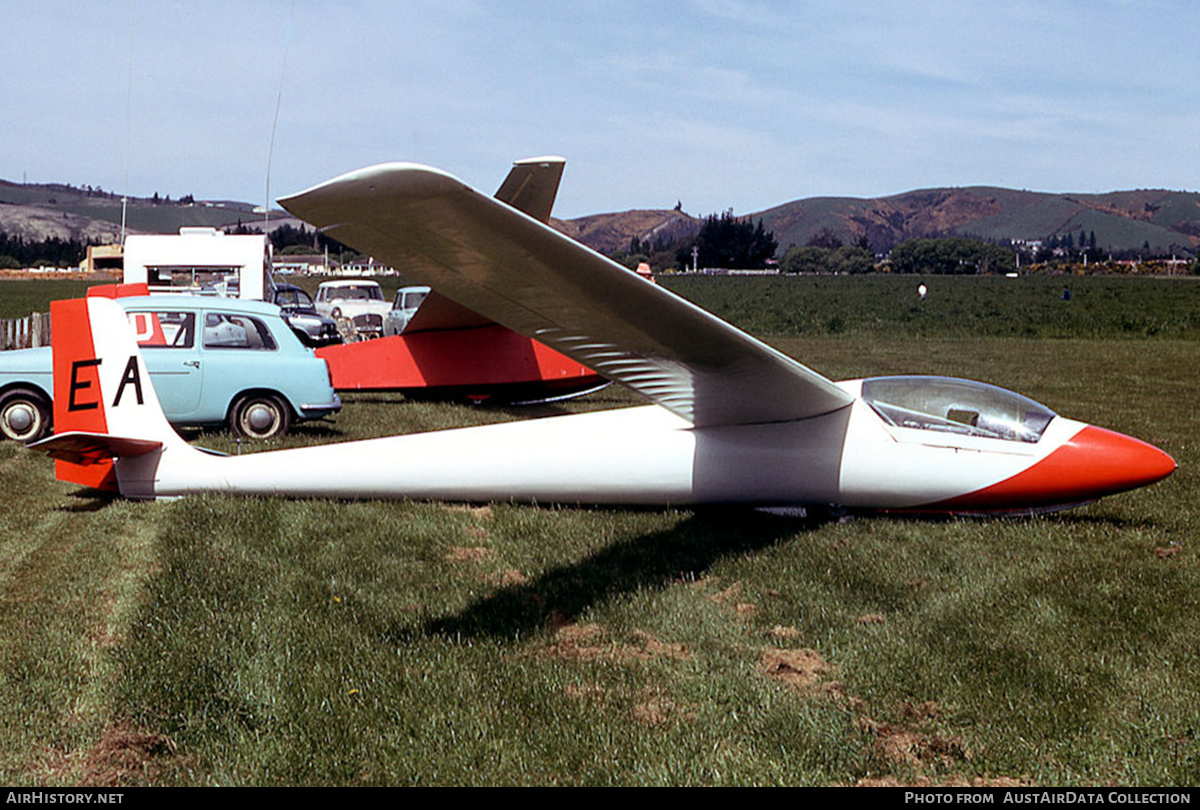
(1100, 462)
(1093, 463)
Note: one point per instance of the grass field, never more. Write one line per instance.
(20, 297)
(233, 641)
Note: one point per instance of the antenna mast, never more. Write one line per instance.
(128, 127)
(275, 122)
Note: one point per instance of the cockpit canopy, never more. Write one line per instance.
(952, 405)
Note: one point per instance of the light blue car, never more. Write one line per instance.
(214, 361)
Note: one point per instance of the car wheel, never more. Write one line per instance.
(260, 416)
(24, 415)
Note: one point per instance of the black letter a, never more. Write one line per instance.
(130, 376)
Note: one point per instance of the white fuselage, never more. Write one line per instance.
(642, 455)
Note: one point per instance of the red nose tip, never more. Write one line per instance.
(1094, 463)
(1110, 462)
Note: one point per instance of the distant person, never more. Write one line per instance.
(1066, 296)
(922, 291)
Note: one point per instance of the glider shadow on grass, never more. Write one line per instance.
(655, 561)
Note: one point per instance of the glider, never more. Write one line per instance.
(731, 419)
(448, 351)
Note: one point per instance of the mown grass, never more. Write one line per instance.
(887, 306)
(20, 297)
(219, 640)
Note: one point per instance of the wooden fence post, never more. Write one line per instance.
(25, 333)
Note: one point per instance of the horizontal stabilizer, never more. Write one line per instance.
(81, 447)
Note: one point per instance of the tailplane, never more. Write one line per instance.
(105, 406)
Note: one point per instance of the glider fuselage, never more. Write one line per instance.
(645, 455)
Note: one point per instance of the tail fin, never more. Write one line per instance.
(105, 406)
(532, 185)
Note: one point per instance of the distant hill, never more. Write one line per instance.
(609, 232)
(1121, 220)
(41, 211)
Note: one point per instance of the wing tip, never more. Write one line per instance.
(413, 179)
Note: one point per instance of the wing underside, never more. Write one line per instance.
(498, 262)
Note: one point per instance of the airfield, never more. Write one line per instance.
(231, 641)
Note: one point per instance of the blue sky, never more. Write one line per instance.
(715, 103)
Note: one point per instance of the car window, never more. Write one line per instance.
(229, 331)
(164, 330)
(355, 292)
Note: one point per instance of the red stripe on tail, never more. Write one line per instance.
(78, 401)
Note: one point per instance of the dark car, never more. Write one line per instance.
(312, 328)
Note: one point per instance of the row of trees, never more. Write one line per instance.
(186, 199)
(732, 242)
(659, 253)
(825, 253)
(16, 252)
(90, 192)
(962, 256)
(1066, 249)
(289, 240)
(722, 241)
(954, 256)
(727, 241)
(815, 259)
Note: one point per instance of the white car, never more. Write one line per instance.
(359, 302)
(408, 299)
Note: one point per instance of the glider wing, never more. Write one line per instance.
(530, 187)
(509, 267)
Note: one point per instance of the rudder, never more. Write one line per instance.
(103, 396)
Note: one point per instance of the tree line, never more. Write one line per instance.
(953, 256)
(825, 253)
(16, 252)
(724, 240)
(290, 240)
(727, 241)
